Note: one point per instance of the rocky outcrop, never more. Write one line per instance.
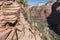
(42, 11)
(10, 12)
(45, 11)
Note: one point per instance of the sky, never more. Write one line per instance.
(33, 2)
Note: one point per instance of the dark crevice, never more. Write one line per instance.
(16, 34)
(8, 34)
(54, 18)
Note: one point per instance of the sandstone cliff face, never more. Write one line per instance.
(22, 30)
(37, 29)
(45, 11)
(42, 11)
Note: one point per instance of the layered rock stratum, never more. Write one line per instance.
(10, 12)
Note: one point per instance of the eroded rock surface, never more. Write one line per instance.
(22, 30)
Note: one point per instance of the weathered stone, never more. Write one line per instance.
(21, 31)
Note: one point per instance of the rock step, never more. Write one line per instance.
(14, 4)
(10, 11)
(12, 7)
(9, 14)
(10, 19)
(6, 21)
(1, 2)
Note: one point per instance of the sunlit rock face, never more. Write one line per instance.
(41, 10)
(10, 12)
(34, 11)
(45, 11)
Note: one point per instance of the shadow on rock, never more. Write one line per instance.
(54, 18)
